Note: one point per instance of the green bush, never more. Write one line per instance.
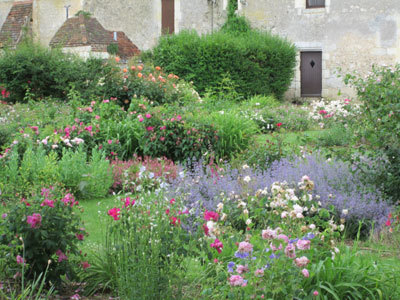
(257, 62)
(43, 72)
(378, 127)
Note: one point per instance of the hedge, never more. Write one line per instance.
(257, 62)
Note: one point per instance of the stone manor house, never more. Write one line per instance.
(332, 36)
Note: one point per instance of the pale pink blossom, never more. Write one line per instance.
(301, 261)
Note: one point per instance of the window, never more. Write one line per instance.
(315, 3)
(168, 16)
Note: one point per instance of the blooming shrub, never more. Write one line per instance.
(127, 174)
(328, 112)
(379, 120)
(43, 231)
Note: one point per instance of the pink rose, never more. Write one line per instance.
(303, 244)
(301, 262)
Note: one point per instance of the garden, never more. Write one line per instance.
(186, 175)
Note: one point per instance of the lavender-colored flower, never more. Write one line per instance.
(241, 254)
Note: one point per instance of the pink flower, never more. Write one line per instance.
(301, 262)
(61, 255)
(150, 128)
(47, 202)
(148, 116)
(268, 234)
(79, 236)
(245, 247)
(69, 199)
(75, 297)
(179, 118)
(315, 293)
(274, 248)
(175, 220)
(242, 269)
(279, 124)
(210, 215)
(92, 103)
(206, 230)
(259, 273)
(129, 202)
(85, 265)
(305, 273)
(217, 245)
(106, 101)
(163, 127)
(110, 142)
(172, 201)
(20, 259)
(114, 212)
(237, 280)
(162, 139)
(89, 128)
(322, 112)
(35, 220)
(303, 244)
(283, 237)
(97, 117)
(167, 211)
(141, 119)
(290, 251)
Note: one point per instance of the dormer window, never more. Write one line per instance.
(315, 3)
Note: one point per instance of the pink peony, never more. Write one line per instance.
(305, 273)
(268, 234)
(148, 116)
(35, 220)
(303, 244)
(301, 262)
(245, 247)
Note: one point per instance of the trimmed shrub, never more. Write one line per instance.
(257, 62)
(32, 71)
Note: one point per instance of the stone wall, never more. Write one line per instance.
(351, 34)
(49, 15)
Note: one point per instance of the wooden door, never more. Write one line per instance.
(311, 74)
(168, 16)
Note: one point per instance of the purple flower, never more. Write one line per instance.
(241, 254)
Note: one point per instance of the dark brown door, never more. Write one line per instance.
(168, 16)
(311, 74)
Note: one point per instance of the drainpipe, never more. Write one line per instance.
(212, 15)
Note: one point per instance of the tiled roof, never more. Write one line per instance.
(13, 28)
(126, 48)
(82, 31)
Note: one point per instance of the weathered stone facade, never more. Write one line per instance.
(351, 34)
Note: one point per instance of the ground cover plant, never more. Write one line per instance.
(181, 196)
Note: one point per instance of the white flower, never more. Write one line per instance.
(247, 179)
(245, 167)
(312, 226)
(284, 214)
(223, 217)
(246, 212)
(221, 112)
(345, 212)
(248, 222)
(341, 227)
(297, 209)
(299, 216)
(220, 206)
